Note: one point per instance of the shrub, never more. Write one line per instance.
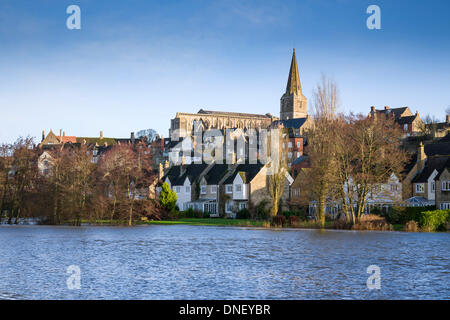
(401, 215)
(341, 224)
(434, 220)
(278, 221)
(411, 226)
(261, 211)
(243, 214)
(372, 222)
(294, 221)
(167, 198)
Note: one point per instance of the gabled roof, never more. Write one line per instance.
(445, 166)
(192, 172)
(431, 164)
(216, 173)
(246, 171)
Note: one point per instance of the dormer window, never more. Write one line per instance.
(229, 188)
(445, 185)
(203, 189)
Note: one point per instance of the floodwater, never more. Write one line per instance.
(203, 262)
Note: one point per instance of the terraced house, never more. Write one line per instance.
(221, 189)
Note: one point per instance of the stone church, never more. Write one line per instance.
(293, 105)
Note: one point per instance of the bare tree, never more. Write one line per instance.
(367, 152)
(321, 146)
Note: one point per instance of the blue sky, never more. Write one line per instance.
(135, 63)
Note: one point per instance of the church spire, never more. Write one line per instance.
(293, 85)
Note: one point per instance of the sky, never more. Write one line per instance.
(134, 64)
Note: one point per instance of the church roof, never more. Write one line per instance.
(233, 114)
(293, 84)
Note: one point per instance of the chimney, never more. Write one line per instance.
(60, 133)
(386, 107)
(183, 165)
(447, 119)
(43, 134)
(421, 156)
(417, 113)
(64, 133)
(161, 171)
(101, 134)
(132, 137)
(166, 164)
(372, 108)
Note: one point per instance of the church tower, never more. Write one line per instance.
(293, 103)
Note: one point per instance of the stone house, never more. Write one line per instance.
(443, 187)
(409, 122)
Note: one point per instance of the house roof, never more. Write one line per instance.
(65, 139)
(192, 172)
(439, 148)
(445, 166)
(246, 171)
(396, 111)
(294, 123)
(406, 120)
(216, 173)
(431, 164)
(96, 140)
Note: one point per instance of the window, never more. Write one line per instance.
(46, 163)
(284, 145)
(203, 189)
(229, 188)
(213, 189)
(298, 144)
(290, 144)
(445, 206)
(289, 155)
(420, 188)
(188, 189)
(229, 206)
(95, 152)
(405, 127)
(298, 154)
(433, 187)
(177, 189)
(296, 192)
(242, 205)
(238, 187)
(394, 187)
(445, 185)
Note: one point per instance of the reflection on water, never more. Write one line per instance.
(196, 262)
